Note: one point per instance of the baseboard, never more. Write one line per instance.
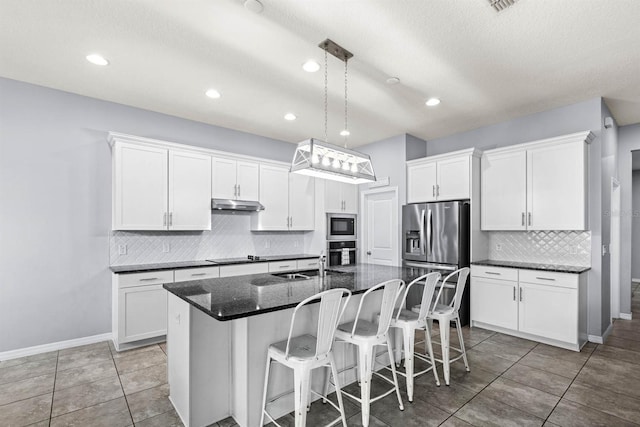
(635, 280)
(626, 316)
(60, 345)
(601, 339)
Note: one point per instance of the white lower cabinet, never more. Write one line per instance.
(541, 306)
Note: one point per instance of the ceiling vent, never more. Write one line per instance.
(500, 5)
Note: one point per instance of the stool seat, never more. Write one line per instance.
(300, 348)
(363, 329)
(405, 315)
(442, 310)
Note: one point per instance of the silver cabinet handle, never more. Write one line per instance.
(238, 191)
(437, 190)
(235, 190)
(285, 266)
(434, 191)
(198, 274)
(290, 221)
(546, 278)
(491, 272)
(148, 279)
(522, 218)
(514, 293)
(520, 294)
(170, 218)
(164, 219)
(529, 218)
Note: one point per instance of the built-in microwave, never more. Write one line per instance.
(341, 226)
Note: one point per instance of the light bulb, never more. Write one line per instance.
(354, 168)
(97, 59)
(345, 166)
(432, 102)
(345, 133)
(326, 161)
(315, 159)
(336, 163)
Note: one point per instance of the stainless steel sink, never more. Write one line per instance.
(304, 275)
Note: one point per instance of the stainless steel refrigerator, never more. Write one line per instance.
(436, 238)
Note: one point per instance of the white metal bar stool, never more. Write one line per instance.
(366, 336)
(408, 322)
(446, 312)
(306, 352)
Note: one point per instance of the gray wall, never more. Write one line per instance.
(635, 236)
(55, 211)
(578, 117)
(628, 140)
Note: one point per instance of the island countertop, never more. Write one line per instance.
(243, 296)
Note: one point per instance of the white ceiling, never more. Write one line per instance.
(486, 67)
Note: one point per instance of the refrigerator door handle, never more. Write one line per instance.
(422, 240)
(430, 231)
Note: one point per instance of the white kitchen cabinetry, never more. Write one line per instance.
(234, 179)
(536, 186)
(439, 178)
(160, 189)
(242, 269)
(288, 200)
(340, 197)
(196, 273)
(537, 305)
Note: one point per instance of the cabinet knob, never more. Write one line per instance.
(368, 252)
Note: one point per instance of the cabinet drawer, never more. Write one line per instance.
(274, 267)
(306, 264)
(242, 269)
(126, 280)
(565, 280)
(494, 272)
(199, 273)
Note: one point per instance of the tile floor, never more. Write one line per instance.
(513, 382)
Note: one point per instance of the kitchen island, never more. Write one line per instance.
(219, 331)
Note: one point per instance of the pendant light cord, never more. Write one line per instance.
(346, 127)
(326, 81)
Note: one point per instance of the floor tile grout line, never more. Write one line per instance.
(123, 393)
(53, 391)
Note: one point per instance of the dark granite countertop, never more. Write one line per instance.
(139, 268)
(558, 268)
(243, 296)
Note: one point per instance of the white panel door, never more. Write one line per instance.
(248, 179)
(301, 202)
(350, 198)
(143, 313)
(274, 195)
(504, 191)
(140, 193)
(494, 302)
(189, 191)
(333, 201)
(381, 240)
(421, 182)
(223, 178)
(453, 179)
(556, 187)
(548, 311)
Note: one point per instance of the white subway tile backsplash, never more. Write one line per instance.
(545, 247)
(229, 238)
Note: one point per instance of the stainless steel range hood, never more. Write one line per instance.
(236, 205)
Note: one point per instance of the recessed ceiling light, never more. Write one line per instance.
(311, 66)
(345, 132)
(393, 81)
(96, 59)
(253, 5)
(212, 93)
(290, 116)
(432, 102)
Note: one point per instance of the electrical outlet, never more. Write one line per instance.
(295, 243)
(122, 249)
(166, 247)
(573, 250)
(498, 247)
(267, 244)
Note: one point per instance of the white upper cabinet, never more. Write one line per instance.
(439, 178)
(234, 179)
(160, 189)
(340, 197)
(536, 186)
(189, 191)
(140, 187)
(288, 200)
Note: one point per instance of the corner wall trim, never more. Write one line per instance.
(60, 345)
(626, 316)
(595, 339)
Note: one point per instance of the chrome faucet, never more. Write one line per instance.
(321, 265)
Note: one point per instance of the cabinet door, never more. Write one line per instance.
(504, 191)
(189, 191)
(556, 187)
(549, 311)
(453, 179)
(350, 198)
(140, 187)
(333, 196)
(223, 178)
(494, 302)
(274, 195)
(248, 180)
(421, 182)
(142, 313)
(301, 202)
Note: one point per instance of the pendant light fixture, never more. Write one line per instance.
(321, 159)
